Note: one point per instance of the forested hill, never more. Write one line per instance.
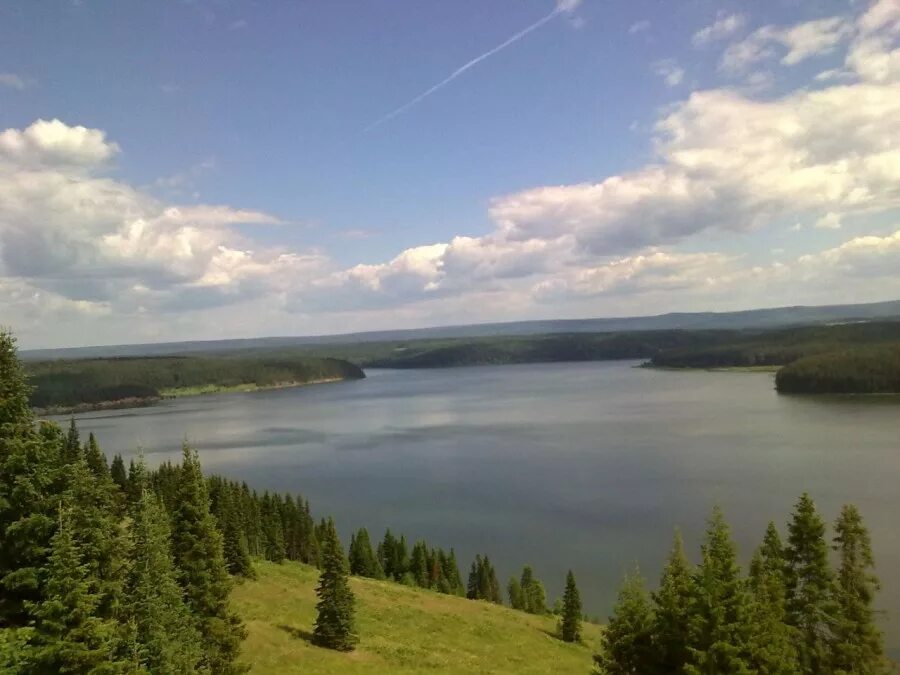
(866, 370)
(90, 383)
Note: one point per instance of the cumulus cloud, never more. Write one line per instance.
(54, 142)
(723, 27)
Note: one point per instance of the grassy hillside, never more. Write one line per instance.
(98, 382)
(402, 630)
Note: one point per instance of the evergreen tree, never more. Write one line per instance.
(773, 648)
(118, 473)
(363, 561)
(95, 458)
(70, 637)
(858, 646)
(719, 628)
(234, 541)
(273, 534)
(672, 611)
(626, 644)
(72, 449)
(514, 591)
(533, 592)
(418, 564)
(163, 636)
(570, 622)
(30, 484)
(810, 583)
(197, 549)
(334, 627)
(452, 575)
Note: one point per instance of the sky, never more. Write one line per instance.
(206, 169)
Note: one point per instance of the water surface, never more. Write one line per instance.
(588, 466)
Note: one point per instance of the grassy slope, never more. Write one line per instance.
(402, 630)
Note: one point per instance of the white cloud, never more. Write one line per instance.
(639, 27)
(669, 70)
(12, 81)
(53, 142)
(830, 221)
(724, 26)
(801, 42)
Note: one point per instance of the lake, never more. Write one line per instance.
(588, 465)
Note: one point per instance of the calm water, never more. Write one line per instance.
(588, 466)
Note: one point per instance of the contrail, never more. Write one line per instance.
(562, 6)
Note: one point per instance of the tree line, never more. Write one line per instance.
(793, 613)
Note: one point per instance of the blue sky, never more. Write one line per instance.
(218, 108)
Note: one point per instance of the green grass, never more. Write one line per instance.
(200, 390)
(402, 630)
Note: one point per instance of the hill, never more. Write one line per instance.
(749, 319)
(402, 630)
(872, 370)
(96, 383)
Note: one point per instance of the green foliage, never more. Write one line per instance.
(70, 636)
(673, 606)
(14, 388)
(570, 621)
(483, 584)
(514, 593)
(335, 626)
(626, 646)
(857, 370)
(162, 635)
(197, 549)
(363, 561)
(810, 583)
(533, 595)
(773, 648)
(720, 617)
(857, 643)
(92, 382)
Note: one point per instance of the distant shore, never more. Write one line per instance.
(178, 392)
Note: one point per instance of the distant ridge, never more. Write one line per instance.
(747, 319)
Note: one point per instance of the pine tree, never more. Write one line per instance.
(672, 611)
(164, 638)
(472, 587)
(452, 575)
(273, 534)
(570, 622)
(418, 564)
(14, 388)
(533, 592)
(719, 629)
(197, 549)
(810, 583)
(95, 458)
(335, 625)
(234, 541)
(858, 645)
(773, 648)
(72, 449)
(626, 644)
(70, 637)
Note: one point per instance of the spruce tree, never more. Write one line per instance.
(672, 611)
(418, 564)
(273, 534)
(363, 561)
(773, 648)
(234, 541)
(197, 549)
(534, 597)
(720, 616)
(335, 623)
(70, 636)
(810, 584)
(95, 458)
(30, 485)
(72, 449)
(570, 622)
(118, 473)
(626, 644)
(164, 638)
(858, 645)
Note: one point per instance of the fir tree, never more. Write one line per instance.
(234, 541)
(858, 646)
(810, 602)
(719, 628)
(273, 534)
(72, 449)
(334, 627)
(418, 564)
(672, 611)
(30, 484)
(533, 592)
(95, 458)
(164, 639)
(363, 561)
(626, 644)
(118, 473)
(197, 549)
(570, 622)
(773, 648)
(70, 637)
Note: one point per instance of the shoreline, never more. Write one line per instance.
(180, 392)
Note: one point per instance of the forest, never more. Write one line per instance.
(65, 385)
(129, 570)
(863, 370)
